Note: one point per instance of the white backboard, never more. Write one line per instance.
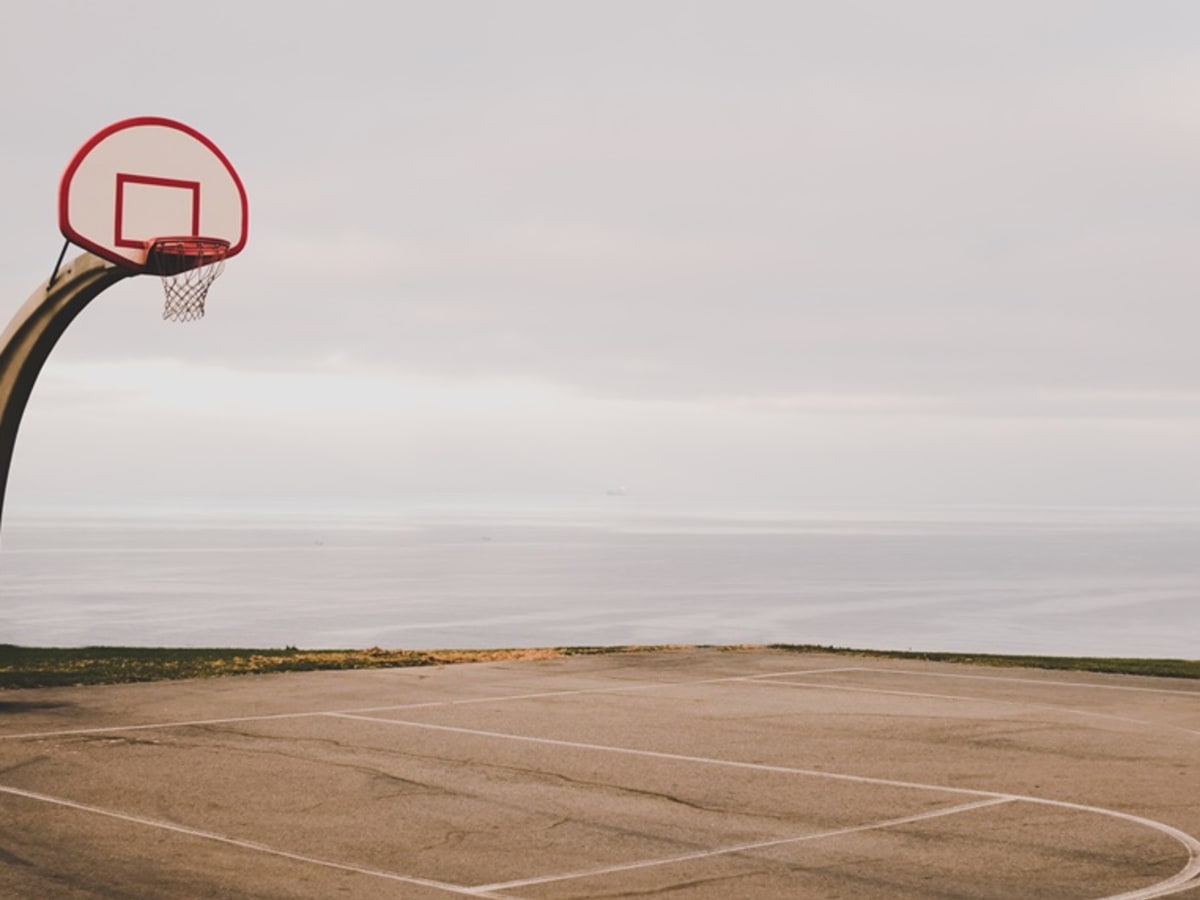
(149, 177)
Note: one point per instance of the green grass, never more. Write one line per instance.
(25, 667)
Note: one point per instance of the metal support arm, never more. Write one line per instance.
(32, 334)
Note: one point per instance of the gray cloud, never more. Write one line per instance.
(797, 209)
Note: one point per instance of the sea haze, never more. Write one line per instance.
(438, 572)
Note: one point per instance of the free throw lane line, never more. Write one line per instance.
(743, 848)
(1185, 878)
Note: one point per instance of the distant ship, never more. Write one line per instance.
(617, 491)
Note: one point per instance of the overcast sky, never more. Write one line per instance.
(862, 253)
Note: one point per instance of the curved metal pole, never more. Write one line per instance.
(32, 334)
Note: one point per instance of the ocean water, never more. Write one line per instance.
(508, 571)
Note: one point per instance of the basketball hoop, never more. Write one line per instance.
(188, 266)
(154, 195)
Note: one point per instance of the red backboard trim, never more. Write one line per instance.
(64, 191)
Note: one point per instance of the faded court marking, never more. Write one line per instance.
(432, 704)
(745, 848)
(163, 825)
(1041, 682)
(1185, 878)
(967, 698)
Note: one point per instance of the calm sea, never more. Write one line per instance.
(487, 572)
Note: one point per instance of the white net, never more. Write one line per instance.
(188, 267)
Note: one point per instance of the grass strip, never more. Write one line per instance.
(27, 667)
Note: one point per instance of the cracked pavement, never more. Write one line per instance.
(691, 773)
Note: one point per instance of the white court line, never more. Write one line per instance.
(1185, 878)
(149, 726)
(764, 682)
(575, 692)
(764, 678)
(247, 845)
(234, 720)
(742, 848)
(1044, 682)
(673, 757)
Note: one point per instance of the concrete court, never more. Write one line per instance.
(691, 773)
